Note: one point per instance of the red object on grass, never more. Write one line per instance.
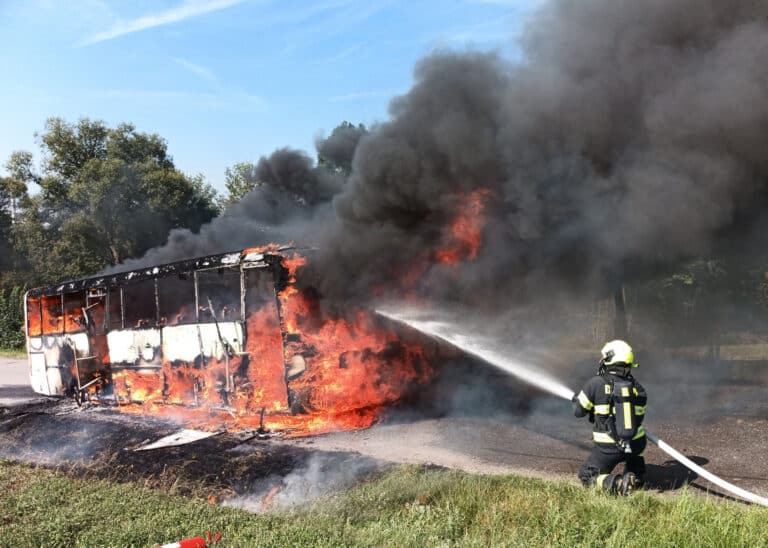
(195, 542)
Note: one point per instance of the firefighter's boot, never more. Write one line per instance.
(612, 483)
(629, 483)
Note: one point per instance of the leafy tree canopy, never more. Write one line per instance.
(107, 194)
(239, 180)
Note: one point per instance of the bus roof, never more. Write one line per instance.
(253, 257)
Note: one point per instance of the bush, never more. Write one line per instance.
(12, 318)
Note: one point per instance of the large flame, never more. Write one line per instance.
(299, 371)
(460, 241)
(302, 372)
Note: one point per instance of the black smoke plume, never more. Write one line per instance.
(632, 135)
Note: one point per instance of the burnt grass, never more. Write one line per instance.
(99, 444)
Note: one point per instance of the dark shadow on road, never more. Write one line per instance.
(671, 474)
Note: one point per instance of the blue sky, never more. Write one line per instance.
(226, 81)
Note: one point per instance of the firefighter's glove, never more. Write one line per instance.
(592, 417)
(575, 398)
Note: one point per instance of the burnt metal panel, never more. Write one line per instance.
(38, 374)
(138, 347)
(187, 342)
(214, 337)
(220, 260)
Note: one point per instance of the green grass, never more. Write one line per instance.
(16, 353)
(408, 506)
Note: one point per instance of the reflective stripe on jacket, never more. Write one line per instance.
(595, 398)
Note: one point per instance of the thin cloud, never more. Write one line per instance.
(338, 20)
(185, 10)
(199, 70)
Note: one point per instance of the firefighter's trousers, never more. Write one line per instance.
(605, 457)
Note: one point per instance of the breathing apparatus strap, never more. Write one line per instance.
(601, 368)
(610, 420)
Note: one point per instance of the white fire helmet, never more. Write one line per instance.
(618, 352)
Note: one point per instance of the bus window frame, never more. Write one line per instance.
(120, 290)
(163, 311)
(82, 327)
(53, 332)
(91, 300)
(151, 294)
(39, 300)
(218, 268)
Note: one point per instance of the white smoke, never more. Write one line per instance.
(320, 475)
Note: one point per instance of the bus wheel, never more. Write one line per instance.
(81, 396)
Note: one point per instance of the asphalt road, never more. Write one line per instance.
(14, 382)
(719, 422)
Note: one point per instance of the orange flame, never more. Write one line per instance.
(461, 241)
(267, 500)
(301, 371)
(34, 327)
(465, 232)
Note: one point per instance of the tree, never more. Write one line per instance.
(239, 180)
(11, 318)
(19, 165)
(6, 221)
(107, 194)
(21, 168)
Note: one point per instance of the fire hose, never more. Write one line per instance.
(446, 332)
(688, 463)
(720, 482)
(716, 480)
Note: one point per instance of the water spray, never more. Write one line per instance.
(483, 348)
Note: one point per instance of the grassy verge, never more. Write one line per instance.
(408, 506)
(16, 353)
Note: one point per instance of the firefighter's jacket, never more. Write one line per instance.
(594, 400)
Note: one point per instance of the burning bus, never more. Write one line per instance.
(226, 340)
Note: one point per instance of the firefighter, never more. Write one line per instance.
(615, 403)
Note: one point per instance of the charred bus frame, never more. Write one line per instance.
(80, 333)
